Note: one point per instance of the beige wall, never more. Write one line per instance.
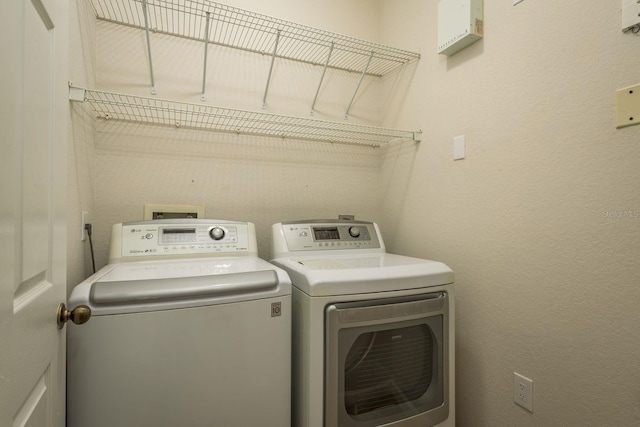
(547, 275)
(80, 149)
(547, 278)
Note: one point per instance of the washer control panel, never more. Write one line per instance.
(148, 238)
(330, 236)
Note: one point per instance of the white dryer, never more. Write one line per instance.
(373, 333)
(188, 328)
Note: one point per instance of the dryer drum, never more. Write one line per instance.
(387, 368)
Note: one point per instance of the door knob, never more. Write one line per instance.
(78, 315)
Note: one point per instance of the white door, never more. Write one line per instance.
(33, 122)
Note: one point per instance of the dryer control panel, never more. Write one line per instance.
(307, 236)
(179, 238)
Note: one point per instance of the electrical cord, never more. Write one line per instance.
(93, 261)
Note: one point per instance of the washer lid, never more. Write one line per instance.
(165, 285)
(359, 273)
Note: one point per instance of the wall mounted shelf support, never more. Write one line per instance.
(324, 70)
(273, 60)
(364, 73)
(203, 97)
(146, 29)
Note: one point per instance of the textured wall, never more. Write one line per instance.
(80, 149)
(546, 265)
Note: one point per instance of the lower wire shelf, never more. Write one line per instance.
(109, 105)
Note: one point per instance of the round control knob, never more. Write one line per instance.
(216, 233)
(354, 231)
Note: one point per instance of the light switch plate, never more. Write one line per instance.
(628, 106)
(458, 147)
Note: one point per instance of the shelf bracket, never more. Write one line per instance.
(273, 59)
(146, 29)
(364, 72)
(203, 96)
(76, 94)
(315, 98)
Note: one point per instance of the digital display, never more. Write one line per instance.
(178, 230)
(328, 233)
(176, 236)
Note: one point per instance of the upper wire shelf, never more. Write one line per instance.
(109, 105)
(250, 31)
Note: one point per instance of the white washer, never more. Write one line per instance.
(188, 328)
(373, 333)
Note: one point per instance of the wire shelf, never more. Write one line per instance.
(241, 29)
(109, 105)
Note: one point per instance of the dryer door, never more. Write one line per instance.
(386, 362)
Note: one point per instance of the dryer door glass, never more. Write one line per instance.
(387, 361)
(385, 368)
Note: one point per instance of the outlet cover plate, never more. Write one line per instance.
(523, 391)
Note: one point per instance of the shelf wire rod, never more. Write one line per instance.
(311, 51)
(120, 11)
(221, 33)
(245, 34)
(136, 13)
(233, 32)
(364, 72)
(273, 59)
(253, 37)
(203, 97)
(324, 70)
(146, 28)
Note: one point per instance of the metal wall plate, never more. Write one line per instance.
(628, 106)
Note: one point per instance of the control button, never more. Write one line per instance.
(304, 234)
(354, 231)
(149, 236)
(216, 233)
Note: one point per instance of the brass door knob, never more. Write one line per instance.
(78, 315)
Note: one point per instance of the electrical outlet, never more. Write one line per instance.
(523, 391)
(85, 219)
